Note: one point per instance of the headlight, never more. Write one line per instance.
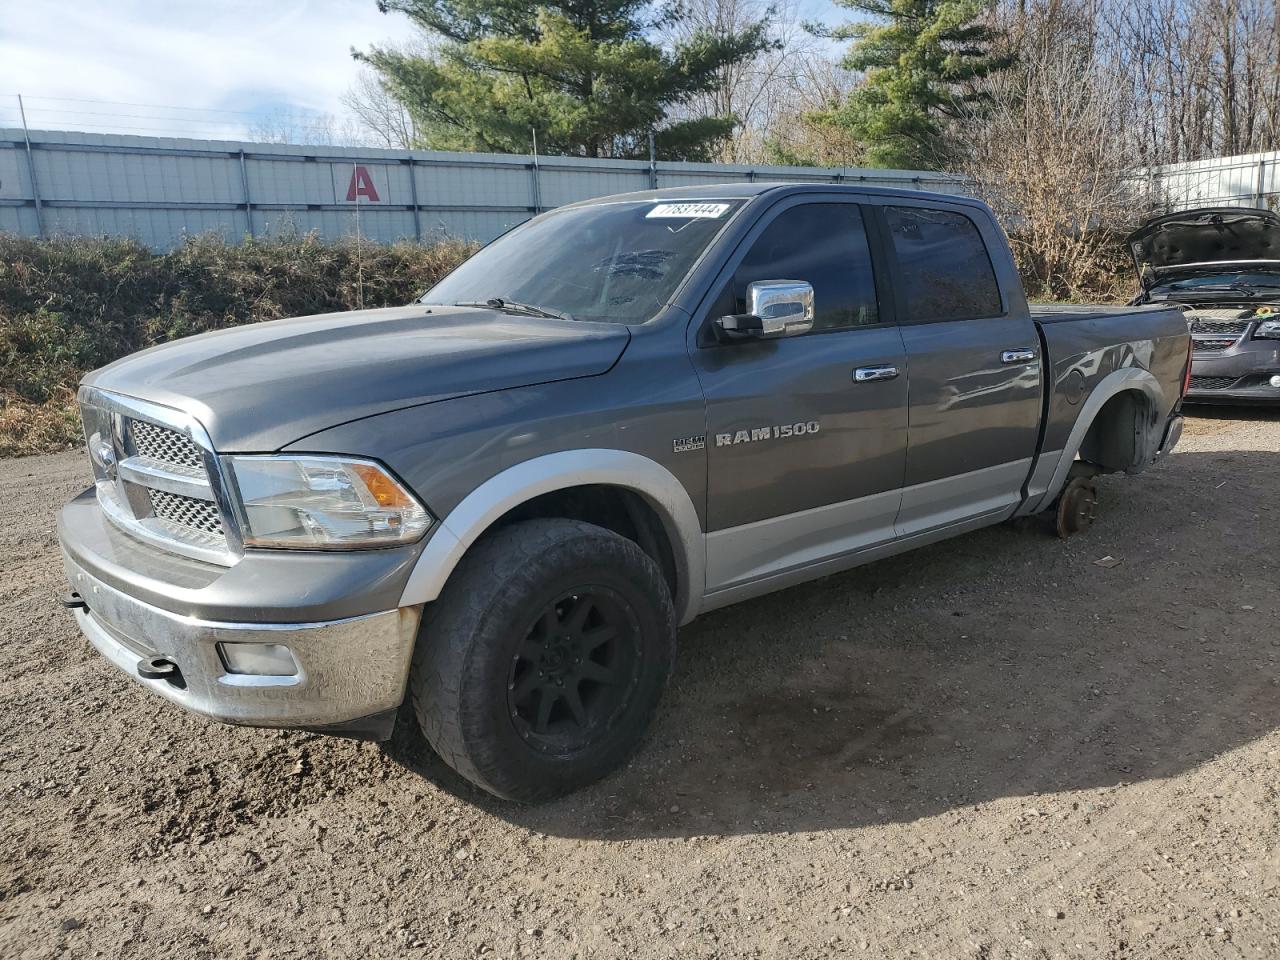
(98, 437)
(1268, 330)
(321, 503)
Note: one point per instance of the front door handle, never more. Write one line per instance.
(885, 371)
(1021, 355)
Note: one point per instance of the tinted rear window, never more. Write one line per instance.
(946, 272)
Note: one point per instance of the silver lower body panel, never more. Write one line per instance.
(347, 669)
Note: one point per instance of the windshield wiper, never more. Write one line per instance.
(515, 306)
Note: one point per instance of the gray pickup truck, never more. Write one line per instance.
(501, 501)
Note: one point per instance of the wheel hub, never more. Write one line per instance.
(559, 657)
(1077, 507)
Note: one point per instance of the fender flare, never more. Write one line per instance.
(515, 485)
(1114, 383)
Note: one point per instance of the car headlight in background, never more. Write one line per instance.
(1268, 330)
(321, 503)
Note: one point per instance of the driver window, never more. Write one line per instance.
(826, 245)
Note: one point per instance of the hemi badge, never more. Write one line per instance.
(685, 444)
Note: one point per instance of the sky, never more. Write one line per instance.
(230, 58)
(198, 68)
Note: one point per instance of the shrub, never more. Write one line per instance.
(71, 304)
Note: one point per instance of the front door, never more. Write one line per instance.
(975, 407)
(805, 452)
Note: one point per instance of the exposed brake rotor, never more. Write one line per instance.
(1077, 507)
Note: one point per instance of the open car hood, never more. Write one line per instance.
(1182, 242)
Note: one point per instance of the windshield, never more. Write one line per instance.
(1220, 281)
(616, 262)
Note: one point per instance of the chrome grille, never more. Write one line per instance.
(152, 479)
(164, 445)
(186, 511)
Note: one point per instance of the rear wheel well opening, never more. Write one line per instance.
(617, 509)
(1122, 435)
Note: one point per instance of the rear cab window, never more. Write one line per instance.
(943, 264)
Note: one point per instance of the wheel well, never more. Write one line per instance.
(623, 511)
(1122, 434)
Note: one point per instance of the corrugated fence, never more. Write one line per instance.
(159, 190)
(1245, 180)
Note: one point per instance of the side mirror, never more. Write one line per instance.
(775, 308)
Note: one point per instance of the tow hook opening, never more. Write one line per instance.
(161, 668)
(73, 601)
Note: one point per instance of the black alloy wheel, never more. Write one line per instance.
(576, 670)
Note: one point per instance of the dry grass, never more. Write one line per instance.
(70, 305)
(28, 428)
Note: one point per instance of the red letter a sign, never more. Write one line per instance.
(362, 186)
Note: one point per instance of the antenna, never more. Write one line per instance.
(359, 244)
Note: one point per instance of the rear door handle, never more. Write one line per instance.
(885, 371)
(1021, 355)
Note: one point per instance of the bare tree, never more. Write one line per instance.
(1046, 147)
(1205, 74)
(797, 133)
(770, 93)
(310, 129)
(384, 120)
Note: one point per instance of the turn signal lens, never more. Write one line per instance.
(381, 487)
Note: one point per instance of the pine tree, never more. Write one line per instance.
(919, 68)
(582, 73)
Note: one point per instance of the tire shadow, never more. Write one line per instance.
(1004, 663)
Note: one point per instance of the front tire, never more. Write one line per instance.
(540, 666)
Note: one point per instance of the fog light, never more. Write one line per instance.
(258, 659)
(1275, 381)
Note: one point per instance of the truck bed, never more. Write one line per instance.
(1082, 344)
(1063, 312)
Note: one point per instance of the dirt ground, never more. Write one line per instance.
(992, 747)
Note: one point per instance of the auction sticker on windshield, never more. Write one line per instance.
(685, 211)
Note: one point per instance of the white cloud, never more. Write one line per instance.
(217, 55)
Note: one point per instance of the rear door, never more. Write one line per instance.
(804, 454)
(974, 410)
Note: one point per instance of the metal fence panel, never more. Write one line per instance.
(1246, 180)
(160, 189)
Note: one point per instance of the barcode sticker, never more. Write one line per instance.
(686, 211)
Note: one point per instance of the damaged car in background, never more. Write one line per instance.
(1222, 267)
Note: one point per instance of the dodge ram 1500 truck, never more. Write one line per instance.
(501, 501)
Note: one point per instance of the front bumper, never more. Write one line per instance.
(350, 670)
(1240, 374)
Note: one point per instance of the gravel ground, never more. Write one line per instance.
(992, 747)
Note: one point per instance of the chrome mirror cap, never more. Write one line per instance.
(775, 308)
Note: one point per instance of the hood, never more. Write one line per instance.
(258, 387)
(1182, 242)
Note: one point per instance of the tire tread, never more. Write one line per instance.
(498, 568)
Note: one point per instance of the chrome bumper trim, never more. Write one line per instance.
(348, 669)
